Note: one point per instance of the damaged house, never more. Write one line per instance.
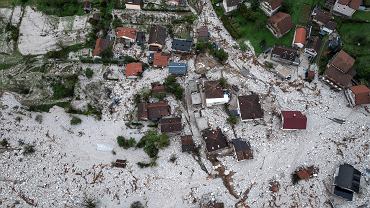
(215, 140)
(153, 111)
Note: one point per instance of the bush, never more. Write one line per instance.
(137, 204)
(75, 120)
(89, 73)
(173, 87)
(147, 164)
(38, 118)
(223, 82)
(152, 142)
(14, 32)
(233, 120)
(4, 143)
(124, 143)
(28, 149)
(89, 202)
(65, 87)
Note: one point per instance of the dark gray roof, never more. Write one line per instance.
(214, 139)
(250, 107)
(182, 45)
(240, 145)
(135, 2)
(231, 3)
(289, 54)
(348, 178)
(140, 37)
(177, 68)
(157, 35)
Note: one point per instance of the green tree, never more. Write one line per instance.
(89, 73)
(75, 120)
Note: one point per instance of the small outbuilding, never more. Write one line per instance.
(346, 181)
(293, 120)
(242, 149)
(178, 69)
(187, 143)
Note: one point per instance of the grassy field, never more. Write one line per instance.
(254, 30)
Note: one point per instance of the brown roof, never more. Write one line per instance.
(214, 139)
(339, 78)
(362, 94)
(213, 89)
(160, 60)
(242, 149)
(315, 43)
(290, 54)
(187, 143)
(158, 35)
(100, 46)
(342, 61)
(300, 35)
(169, 125)
(134, 69)
(275, 3)
(322, 17)
(203, 32)
(354, 4)
(250, 107)
(126, 32)
(142, 113)
(158, 88)
(155, 111)
(281, 21)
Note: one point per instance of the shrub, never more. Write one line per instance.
(173, 158)
(75, 120)
(173, 87)
(223, 82)
(4, 143)
(38, 118)
(137, 204)
(65, 87)
(28, 149)
(152, 142)
(124, 143)
(89, 73)
(89, 202)
(233, 120)
(152, 163)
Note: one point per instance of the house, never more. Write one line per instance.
(170, 125)
(203, 34)
(324, 20)
(153, 111)
(230, 5)
(160, 60)
(299, 39)
(126, 33)
(158, 88)
(100, 46)
(270, 7)
(201, 121)
(346, 181)
(214, 93)
(340, 71)
(242, 149)
(279, 24)
(293, 120)
(187, 143)
(157, 37)
(120, 163)
(140, 38)
(215, 140)
(134, 4)
(249, 107)
(313, 46)
(285, 55)
(133, 70)
(358, 95)
(346, 7)
(177, 69)
(181, 45)
(87, 6)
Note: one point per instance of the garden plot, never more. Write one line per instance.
(40, 33)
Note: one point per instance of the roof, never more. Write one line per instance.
(158, 88)
(187, 143)
(142, 112)
(322, 16)
(100, 46)
(214, 139)
(87, 4)
(169, 125)
(293, 120)
(341, 79)
(157, 35)
(135, 2)
(126, 32)
(140, 37)
(348, 178)
(250, 107)
(289, 54)
(314, 43)
(362, 94)
(275, 3)
(134, 69)
(300, 35)
(242, 149)
(203, 32)
(178, 68)
(331, 25)
(354, 4)
(232, 3)
(342, 61)
(281, 21)
(160, 60)
(213, 89)
(182, 45)
(158, 110)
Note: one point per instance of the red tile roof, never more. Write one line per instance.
(134, 69)
(281, 21)
(362, 94)
(293, 120)
(338, 77)
(300, 35)
(160, 60)
(126, 32)
(354, 4)
(100, 46)
(275, 3)
(342, 61)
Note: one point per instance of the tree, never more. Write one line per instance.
(173, 87)
(152, 142)
(75, 120)
(89, 73)
(126, 143)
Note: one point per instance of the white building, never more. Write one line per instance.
(214, 94)
(270, 7)
(230, 5)
(346, 7)
(134, 4)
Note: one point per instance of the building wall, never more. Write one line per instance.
(228, 9)
(216, 101)
(267, 8)
(131, 6)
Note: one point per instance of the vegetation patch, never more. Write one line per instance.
(152, 142)
(173, 87)
(75, 120)
(65, 87)
(126, 143)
